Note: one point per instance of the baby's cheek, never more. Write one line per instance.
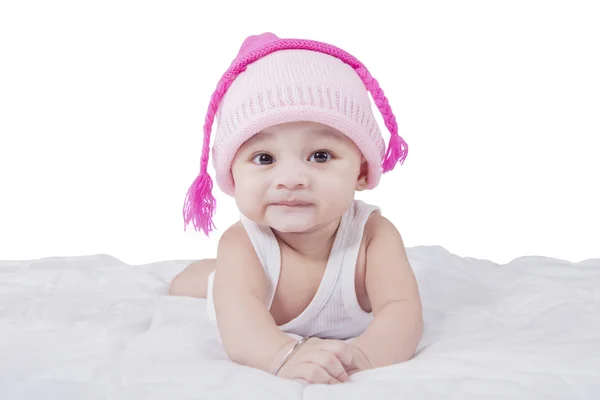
(336, 197)
(249, 198)
(340, 184)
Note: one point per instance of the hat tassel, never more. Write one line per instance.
(199, 206)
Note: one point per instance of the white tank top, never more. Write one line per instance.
(334, 312)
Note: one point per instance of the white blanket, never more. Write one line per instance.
(96, 328)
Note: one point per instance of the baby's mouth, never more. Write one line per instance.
(296, 204)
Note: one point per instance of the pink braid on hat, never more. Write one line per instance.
(199, 206)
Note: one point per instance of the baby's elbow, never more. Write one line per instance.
(418, 330)
(420, 325)
(232, 342)
(234, 352)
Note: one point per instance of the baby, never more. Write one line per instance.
(310, 284)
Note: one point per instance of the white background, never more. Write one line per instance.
(102, 106)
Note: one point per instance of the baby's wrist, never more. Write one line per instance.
(357, 349)
(280, 353)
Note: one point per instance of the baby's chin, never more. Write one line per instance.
(291, 221)
(291, 227)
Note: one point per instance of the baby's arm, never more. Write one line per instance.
(249, 333)
(396, 330)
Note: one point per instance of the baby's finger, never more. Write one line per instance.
(341, 350)
(329, 362)
(314, 373)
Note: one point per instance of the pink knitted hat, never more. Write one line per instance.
(273, 81)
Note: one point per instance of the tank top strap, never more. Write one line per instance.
(267, 249)
(361, 213)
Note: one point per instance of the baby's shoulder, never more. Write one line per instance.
(235, 229)
(235, 250)
(235, 238)
(378, 225)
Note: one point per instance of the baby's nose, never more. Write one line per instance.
(291, 177)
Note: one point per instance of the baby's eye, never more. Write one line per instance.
(263, 159)
(320, 156)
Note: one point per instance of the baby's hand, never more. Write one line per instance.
(320, 361)
(360, 362)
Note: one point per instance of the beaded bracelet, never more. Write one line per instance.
(295, 348)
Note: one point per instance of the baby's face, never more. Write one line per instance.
(297, 176)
